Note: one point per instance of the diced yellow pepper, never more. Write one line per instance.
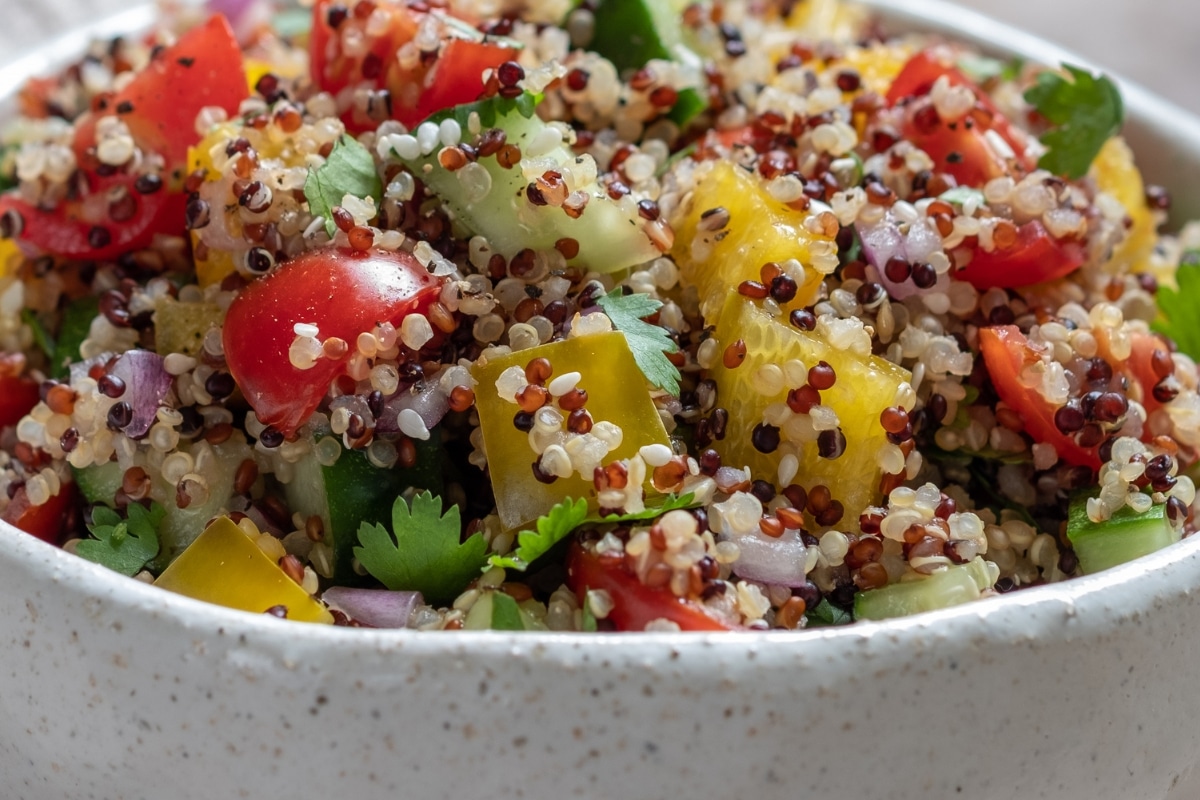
(865, 386)
(616, 393)
(1115, 173)
(10, 257)
(180, 327)
(225, 567)
(827, 19)
(760, 229)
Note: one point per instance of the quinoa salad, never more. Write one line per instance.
(615, 315)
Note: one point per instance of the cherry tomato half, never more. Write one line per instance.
(48, 521)
(634, 603)
(341, 291)
(18, 393)
(454, 77)
(114, 213)
(1034, 257)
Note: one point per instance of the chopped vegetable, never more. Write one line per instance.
(952, 586)
(1126, 535)
(424, 552)
(1086, 111)
(226, 567)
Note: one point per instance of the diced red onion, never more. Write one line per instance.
(245, 16)
(424, 398)
(769, 560)
(884, 241)
(379, 608)
(146, 387)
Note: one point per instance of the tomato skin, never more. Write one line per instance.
(204, 68)
(1035, 257)
(47, 521)
(66, 230)
(342, 291)
(1006, 351)
(634, 603)
(917, 77)
(18, 393)
(159, 106)
(454, 78)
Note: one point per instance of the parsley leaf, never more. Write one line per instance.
(350, 169)
(123, 545)
(648, 343)
(1177, 307)
(826, 615)
(552, 527)
(424, 553)
(1086, 111)
(560, 521)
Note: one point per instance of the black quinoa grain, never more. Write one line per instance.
(272, 437)
(148, 183)
(831, 444)
(119, 416)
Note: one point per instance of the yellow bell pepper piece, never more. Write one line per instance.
(616, 393)
(760, 229)
(179, 327)
(865, 386)
(1115, 173)
(224, 566)
(10, 257)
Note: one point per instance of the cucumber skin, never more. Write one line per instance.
(1123, 537)
(609, 232)
(352, 491)
(953, 586)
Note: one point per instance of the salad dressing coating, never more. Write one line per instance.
(756, 319)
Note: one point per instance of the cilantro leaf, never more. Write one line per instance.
(560, 521)
(123, 545)
(1086, 111)
(350, 169)
(423, 553)
(1177, 307)
(588, 620)
(648, 343)
(551, 528)
(826, 614)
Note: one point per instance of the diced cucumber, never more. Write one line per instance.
(1123, 537)
(630, 33)
(352, 491)
(496, 611)
(180, 327)
(610, 233)
(99, 483)
(953, 586)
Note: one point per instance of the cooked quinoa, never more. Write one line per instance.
(821, 323)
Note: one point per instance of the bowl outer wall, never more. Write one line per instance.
(113, 689)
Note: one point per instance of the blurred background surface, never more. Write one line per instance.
(1155, 43)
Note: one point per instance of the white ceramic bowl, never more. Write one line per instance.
(114, 689)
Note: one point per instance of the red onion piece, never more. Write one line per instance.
(379, 608)
(884, 240)
(245, 16)
(425, 398)
(769, 560)
(146, 387)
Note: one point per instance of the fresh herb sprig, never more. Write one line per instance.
(648, 343)
(560, 521)
(1085, 110)
(423, 552)
(123, 545)
(350, 169)
(1177, 307)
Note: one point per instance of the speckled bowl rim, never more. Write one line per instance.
(1138, 587)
